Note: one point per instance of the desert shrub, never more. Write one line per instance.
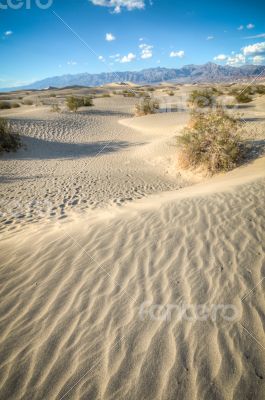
(28, 102)
(73, 103)
(129, 94)
(55, 108)
(243, 97)
(170, 93)
(15, 105)
(106, 95)
(216, 91)
(212, 141)
(202, 98)
(247, 91)
(8, 141)
(255, 89)
(88, 101)
(146, 106)
(233, 92)
(260, 89)
(52, 95)
(143, 94)
(4, 105)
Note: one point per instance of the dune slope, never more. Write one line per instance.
(74, 319)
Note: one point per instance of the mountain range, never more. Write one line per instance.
(209, 72)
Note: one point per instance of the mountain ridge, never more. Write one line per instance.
(209, 72)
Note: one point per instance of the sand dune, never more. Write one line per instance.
(72, 294)
(101, 305)
(85, 161)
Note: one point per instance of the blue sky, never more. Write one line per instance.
(124, 35)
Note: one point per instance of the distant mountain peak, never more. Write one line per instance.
(209, 72)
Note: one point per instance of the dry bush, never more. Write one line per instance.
(73, 103)
(8, 141)
(243, 98)
(212, 141)
(216, 91)
(146, 106)
(4, 105)
(260, 89)
(128, 93)
(243, 93)
(15, 105)
(28, 102)
(202, 98)
(55, 108)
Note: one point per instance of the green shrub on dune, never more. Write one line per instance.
(146, 106)
(202, 98)
(4, 105)
(212, 141)
(8, 141)
(243, 98)
(73, 103)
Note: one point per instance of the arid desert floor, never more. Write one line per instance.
(101, 232)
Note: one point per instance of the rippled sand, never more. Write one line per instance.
(75, 316)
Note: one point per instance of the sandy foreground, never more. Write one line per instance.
(99, 300)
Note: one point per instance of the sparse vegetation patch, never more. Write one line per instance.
(146, 106)
(202, 98)
(73, 103)
(8, 141)
(212, 141)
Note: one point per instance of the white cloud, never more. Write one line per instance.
(220, 57)
(141, 39)
(117, 5)
(252, 54)
(250, 26)
(258, 60)
(126, 59)
(101, 58)
(146, 51)
(261, 35)
(210, 38)
(71, 63)
(115, 55)
(110, 37)
(8, 33)
(254, 49)
(236, 60)
(179, 54)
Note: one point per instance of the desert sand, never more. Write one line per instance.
(123, 229)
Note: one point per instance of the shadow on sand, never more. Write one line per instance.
(39, 149)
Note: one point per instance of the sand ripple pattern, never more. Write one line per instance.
(78, 161)
(71, 292)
